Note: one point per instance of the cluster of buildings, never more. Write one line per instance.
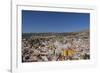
(56, 48)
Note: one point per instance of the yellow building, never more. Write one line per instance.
(68, 52)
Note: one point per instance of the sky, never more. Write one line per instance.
(46, 21)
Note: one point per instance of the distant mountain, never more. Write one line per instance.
(73, 34)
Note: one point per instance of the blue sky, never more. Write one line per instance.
(46, 21)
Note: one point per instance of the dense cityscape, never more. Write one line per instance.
(55, 36)
(51, 46)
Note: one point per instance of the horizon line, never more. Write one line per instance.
(60, 32)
